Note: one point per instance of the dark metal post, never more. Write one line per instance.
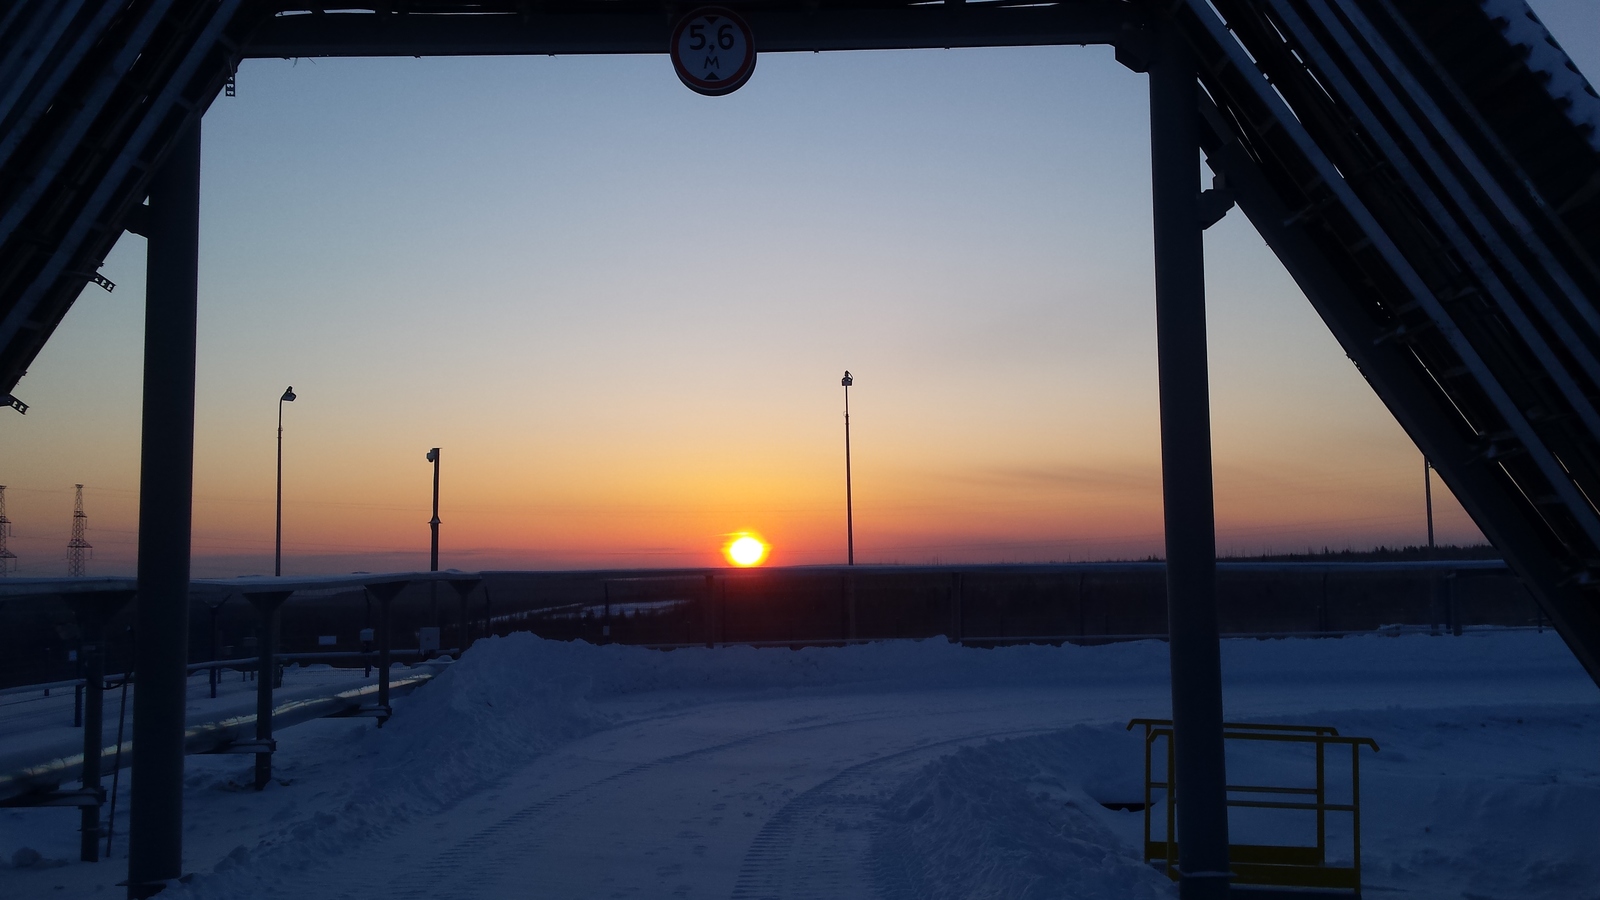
(385, 593)
(955, 608)
(711, 598)
(463, 587)
(433, 557)
(1186, 473)
(1427, 498)
(849, 606)
(1452, 610)
(267, 647)
(216, 642)
(384, 659)
(94, 682)
(266, 659)
(166, 488)
(849, 502)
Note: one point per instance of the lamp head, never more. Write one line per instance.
(847, 380)
(433, 455)
(288, 394)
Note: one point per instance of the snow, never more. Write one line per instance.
(899, 769)
(1545, 55)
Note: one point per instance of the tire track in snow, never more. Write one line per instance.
(817, 846)
(463, 871)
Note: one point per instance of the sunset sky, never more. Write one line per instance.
(622, 310)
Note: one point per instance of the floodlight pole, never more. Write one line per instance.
(277, 542)
(433, 557)
(1188, 503)
(1427, 498)
(849, 504)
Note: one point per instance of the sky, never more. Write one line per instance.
(622, 310)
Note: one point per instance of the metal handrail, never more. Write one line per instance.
(1262, 864)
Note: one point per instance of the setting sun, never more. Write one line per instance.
(745, 550)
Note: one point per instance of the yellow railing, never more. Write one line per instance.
(1278, 865)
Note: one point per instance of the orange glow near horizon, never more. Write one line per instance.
(745, 549)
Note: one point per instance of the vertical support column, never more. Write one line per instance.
(267, 604)
(166, 486)
(385, 593)
(956, 617)
(463, 587)
(93, 626)
(711, 607)
(1202, 815)
(384, 657)
(851, 629)
(215, 606)
(266, 645)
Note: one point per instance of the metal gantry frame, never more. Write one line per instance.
(1465, 296)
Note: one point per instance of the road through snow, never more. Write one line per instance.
(539, 769)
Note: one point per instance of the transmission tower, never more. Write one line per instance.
(78, 544)
(6, 556)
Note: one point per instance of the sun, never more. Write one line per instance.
(745, 549)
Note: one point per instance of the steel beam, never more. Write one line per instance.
(166, 486)
(1483, 488)
(646, 29)
(1186, 473)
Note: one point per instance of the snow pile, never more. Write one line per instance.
(503, 704)
(1480, 803)
(1485, 802)
(1017, 819)
(506, 701)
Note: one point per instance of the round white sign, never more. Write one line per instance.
(713, 51)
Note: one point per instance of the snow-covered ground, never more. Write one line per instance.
(896, 770)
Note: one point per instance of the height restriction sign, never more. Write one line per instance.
(713, 51)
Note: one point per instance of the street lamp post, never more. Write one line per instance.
(1427, 498)
(433, 558)
(849, 506)
(277, 543)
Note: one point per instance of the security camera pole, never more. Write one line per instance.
(849, 508)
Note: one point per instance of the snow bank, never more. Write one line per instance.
(1484, 805)
(511, 698)
(507, 700)
(1017, 819)
(529, 667)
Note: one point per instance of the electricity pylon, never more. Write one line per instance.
(79, 543)
(6, 556)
